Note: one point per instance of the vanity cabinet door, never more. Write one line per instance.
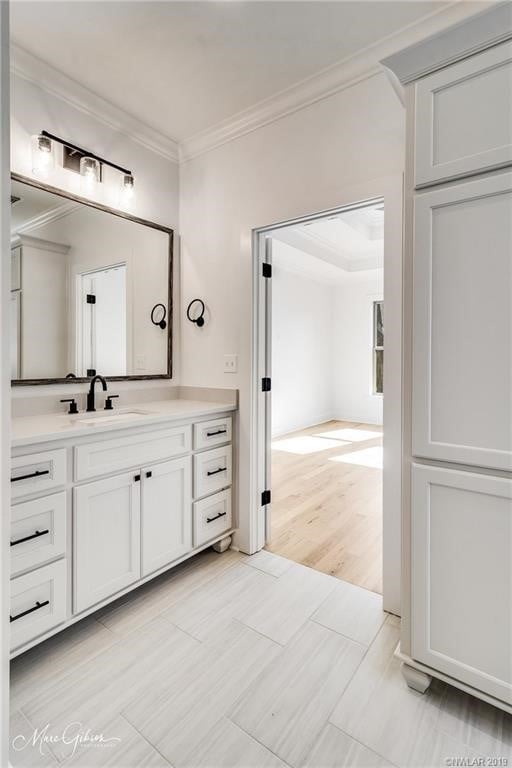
(166, 513)
(462, 357)
(106, 538)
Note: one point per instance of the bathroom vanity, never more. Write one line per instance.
(102, 502)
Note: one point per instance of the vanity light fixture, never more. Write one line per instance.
(42, 155)
(74, 158)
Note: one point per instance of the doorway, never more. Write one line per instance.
(101, 321)
(326, 400)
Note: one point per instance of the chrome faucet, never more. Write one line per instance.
(91, 405)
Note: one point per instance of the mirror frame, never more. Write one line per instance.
(115, 212)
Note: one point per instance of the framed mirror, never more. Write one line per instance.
(84, 281)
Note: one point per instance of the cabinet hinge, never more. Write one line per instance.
(267, 269)
(266, 384)
(266, 497)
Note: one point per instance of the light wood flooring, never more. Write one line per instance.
(326, 513)
(231, 661)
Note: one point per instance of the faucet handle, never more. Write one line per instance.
(73, 408)
(108, 403)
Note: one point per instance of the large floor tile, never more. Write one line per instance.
(479, 725)
(94, 693)
(227, 596)
(55, 658)
(227, 746)
(334, 749)
(290, 703)
(379, 710)
(352, 611)
(265, 561)
(118, 746)
(26, 749)
(293, 598)
(151, 599)
(193, 702)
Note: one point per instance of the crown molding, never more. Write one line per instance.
(24, 64)
(344, 74)
(472, 35)
(54, 214)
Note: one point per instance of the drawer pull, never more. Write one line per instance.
(211, 519)
(37, 473)
(36, 607)
(28, 538)
(216, 471)
(218, 432)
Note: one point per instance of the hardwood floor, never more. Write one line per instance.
(230, 661)
(326, 510)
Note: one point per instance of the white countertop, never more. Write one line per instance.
(28, 430)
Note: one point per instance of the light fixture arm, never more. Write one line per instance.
(85, 152)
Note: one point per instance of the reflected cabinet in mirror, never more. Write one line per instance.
(84, 281)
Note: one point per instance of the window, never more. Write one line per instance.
(378, 348)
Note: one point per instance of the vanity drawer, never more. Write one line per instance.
(212, 471)
(38, 602)
(210, 433)
(212, 516)
(38, 473)
(107, 456)
(38, 532)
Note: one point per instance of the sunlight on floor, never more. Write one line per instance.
(305, 444)
(368, 457)
(351, 435)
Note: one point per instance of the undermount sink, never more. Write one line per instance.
(99, 419)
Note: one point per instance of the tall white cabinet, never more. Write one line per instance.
(457, 516)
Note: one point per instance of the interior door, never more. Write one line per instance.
(103, 321)
(265, 392)
(106, 538)
(166, 513)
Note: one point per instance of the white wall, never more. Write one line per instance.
(321, 345)
(157, 178)
(353, 398)
(320, 157)
(302, 345)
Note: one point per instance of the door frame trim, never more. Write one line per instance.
(390, 190)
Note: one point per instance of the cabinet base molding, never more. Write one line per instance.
(411, 665)
(223, 544)
(415, 679)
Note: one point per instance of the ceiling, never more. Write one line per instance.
(333, 247)
(183, 67)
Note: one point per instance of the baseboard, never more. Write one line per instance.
(317, 423)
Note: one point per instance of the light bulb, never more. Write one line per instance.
(42, 155)
(127, 193)
(90, 173)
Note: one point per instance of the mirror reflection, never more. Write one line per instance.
(84, 282)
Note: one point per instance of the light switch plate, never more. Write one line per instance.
(230, 363)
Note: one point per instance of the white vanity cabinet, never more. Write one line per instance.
(99, 513)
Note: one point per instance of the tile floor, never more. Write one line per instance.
(253, 662)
